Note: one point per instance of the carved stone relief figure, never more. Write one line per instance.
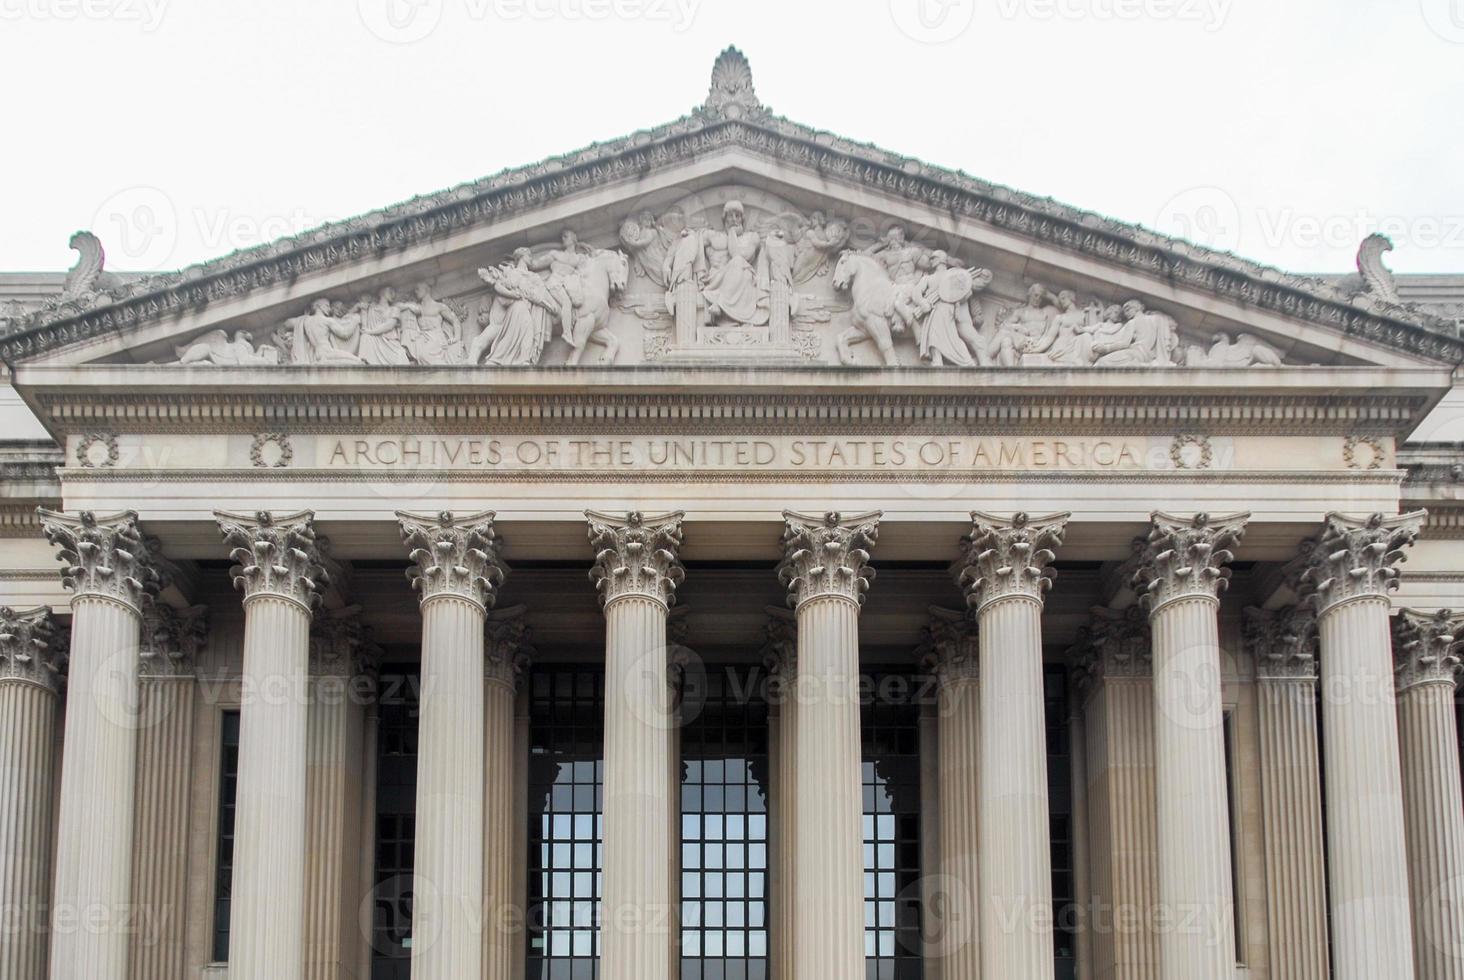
(1244, 351)
(518, 322)
(431, 330)
(381, 330)
(1149, 339)
(320, 337)
(732, 256)
(945, 333)
(215, 347)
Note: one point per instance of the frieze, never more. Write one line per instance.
(106, 307)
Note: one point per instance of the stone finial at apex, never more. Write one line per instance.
(732, 95)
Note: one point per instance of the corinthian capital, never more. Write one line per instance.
(1355, 558)
(275, 555)
(1187, 556)
(340, 645)
(1006, 557)
(827, 556)
(454, 556)
(171, 639)
(506, 649)
(1426, 648)
(950, 646)
(104, 556)
(636, 555)
(1284, 642)
(31, 647)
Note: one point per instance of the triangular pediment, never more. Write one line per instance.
(729, 236)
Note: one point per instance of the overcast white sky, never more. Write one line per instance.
(1286, 130)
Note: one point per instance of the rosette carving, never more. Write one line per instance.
(1355, 558)
(1187, 556)
(1426, 648)
(636, 555)
(32, 648)
(1284, 642)
(950, 646)
(275, 555)
(454, 556)
(827, 556)
(171, 639)
(1009, 557)
(507, 652)
(104, 556)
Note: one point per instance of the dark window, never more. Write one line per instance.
(1060, 808)
(890, 719)
(396, 815)
(1232, 798)
(724, 826)
(566, 770)
(224, 847)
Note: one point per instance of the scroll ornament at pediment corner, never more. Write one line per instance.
(730, 277)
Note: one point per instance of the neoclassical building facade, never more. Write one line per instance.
(730, 552)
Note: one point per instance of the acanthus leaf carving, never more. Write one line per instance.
(171, 640)
(827, 556)
(1354, 558)
(454, 556)
(950, 645)
(32, 647)
(508, 646)
(1187, 556)
(636, 555)
(1284, 642)
(1116, 643)
(341, 646)
(1426, 648)
(105, 556)
(1005, 557)
(275, 555)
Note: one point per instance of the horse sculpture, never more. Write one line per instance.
(872, 311)
(604, 275)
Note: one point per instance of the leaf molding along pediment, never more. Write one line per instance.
(671, 256)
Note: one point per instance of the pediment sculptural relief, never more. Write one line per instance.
(731, 276)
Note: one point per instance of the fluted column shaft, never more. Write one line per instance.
(1427, 664)
(1434, 813)
(94, 857)
(636, 572)
(503, 925)
(828, 836)
(1291, 801)
(960, 739)
(636, 895)
(1348, 571)
(1371, 929)
(164, 783)
(1195, 885)
(28, 713)
(267, 911)
(1082, 877)
(1015, 833)
(784, 897)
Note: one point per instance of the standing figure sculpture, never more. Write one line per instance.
(946, 334)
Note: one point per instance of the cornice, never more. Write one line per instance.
(1166, 261)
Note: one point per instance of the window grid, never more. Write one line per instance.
(890, 722)
(224, 847)
(1060, 810)
(398, 719)
(724, 827)
(566, 774)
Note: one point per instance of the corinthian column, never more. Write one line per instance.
(506, 654)
(1181, 577)
(1347, 573)
(782, 661)
(1115, 673)
(636, 573)
(1426, 649)
(278, 569)
(1284, 646)
(953, 654)
(110, 571)
(171, 640)
(457, 569)
(826, 570)
(1007, 571)
(342, 669)
(30, 684)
